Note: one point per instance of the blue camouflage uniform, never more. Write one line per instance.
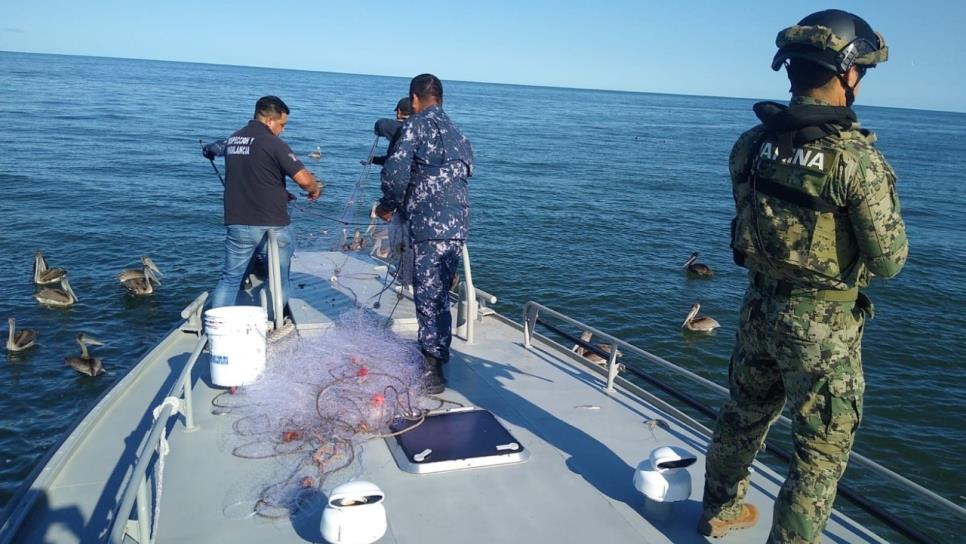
(425, 178)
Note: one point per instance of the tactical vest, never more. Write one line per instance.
(783, 227)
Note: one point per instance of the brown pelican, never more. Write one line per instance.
(380, 246)
(356, 243)
(19, 340)
(141, 281)
(44, 275)
(85, 364)
(698, 269)
(61, 297)
(316, 153)
(590, 355)
(699, 323)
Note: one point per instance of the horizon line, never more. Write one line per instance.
(533, 85)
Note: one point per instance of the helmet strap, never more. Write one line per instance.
(849, 89)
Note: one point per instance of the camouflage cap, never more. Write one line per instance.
(844, 41)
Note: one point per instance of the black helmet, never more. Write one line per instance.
(835, 39)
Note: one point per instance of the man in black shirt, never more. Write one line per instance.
(256, 164)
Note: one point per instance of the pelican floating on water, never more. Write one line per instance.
(85, 364)
(699, 323)
(141, 281)
(590, 355)
(43, 275)
(19, 340)
(316, 153)
(61, 297)
(356, 243)
(696, 268)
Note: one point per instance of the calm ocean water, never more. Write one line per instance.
(587, 201)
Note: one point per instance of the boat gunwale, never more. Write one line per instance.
(18, 509)
(884, 516)
(14, 516)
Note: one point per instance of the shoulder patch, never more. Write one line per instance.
(816, 159)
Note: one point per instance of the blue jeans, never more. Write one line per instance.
(241, 241)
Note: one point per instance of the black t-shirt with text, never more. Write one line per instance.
(256, 164)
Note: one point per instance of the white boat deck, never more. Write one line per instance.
(575, 487)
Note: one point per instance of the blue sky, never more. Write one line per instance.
(683, 47)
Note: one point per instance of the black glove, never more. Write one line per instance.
(214, 149)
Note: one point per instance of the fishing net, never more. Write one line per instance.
(306, 421)
(346, 222)
(319, 401)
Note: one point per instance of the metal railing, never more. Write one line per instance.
(532, 311)
(275, 280)
(531, 317)
(136, 492)
(470, 298)
(271, 299)
(192, 315)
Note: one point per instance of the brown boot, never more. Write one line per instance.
(717, 528)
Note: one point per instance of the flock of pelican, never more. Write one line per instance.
(138, 281)
(693, 323)
(55, 292)
(61, 296)
(142, 281)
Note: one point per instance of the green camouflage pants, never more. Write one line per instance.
(809, 352)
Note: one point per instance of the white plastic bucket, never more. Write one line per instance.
(237, 341)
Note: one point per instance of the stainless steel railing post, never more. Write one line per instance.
(530, 313)
(275, 279)
(189, 416)
(470, 293)
(612, 369)
(144, 519)
(192, 314)
(186, 393)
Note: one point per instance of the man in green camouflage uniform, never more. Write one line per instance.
(817, 217)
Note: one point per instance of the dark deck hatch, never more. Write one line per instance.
(453, 440)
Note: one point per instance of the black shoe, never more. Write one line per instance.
(433, 376)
